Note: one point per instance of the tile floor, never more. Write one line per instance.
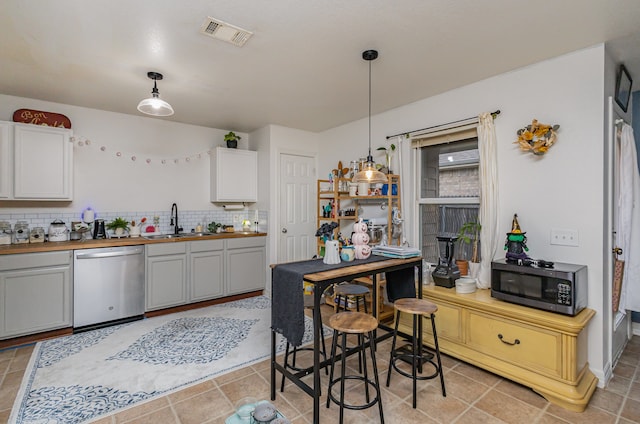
(473, 396)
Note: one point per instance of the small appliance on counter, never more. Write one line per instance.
(5, 232)
(58, 231)
(99, 231)
(21, 232)
(37, 235)
(446, 272)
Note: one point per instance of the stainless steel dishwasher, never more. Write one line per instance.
(108, 286)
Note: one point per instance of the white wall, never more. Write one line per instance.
(111, 183)
(562, 189)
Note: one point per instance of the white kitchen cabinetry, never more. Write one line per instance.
(234, 175)
(43, 163)
(166, 275)
(35, 293)
(206, 279)
(6, 170)
(245, 265)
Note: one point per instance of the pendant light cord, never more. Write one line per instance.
(370, 109)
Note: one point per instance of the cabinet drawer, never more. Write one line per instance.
(448, 323)
(166, 249)
(207, 245)
(240, 243)
(526, 346)
(34, 260)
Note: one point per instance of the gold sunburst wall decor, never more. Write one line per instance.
(537, 138)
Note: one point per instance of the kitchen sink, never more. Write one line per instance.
(194, 234)
(163, 236)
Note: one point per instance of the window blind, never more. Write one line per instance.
(445, 135)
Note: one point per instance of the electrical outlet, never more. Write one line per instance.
(564, 237)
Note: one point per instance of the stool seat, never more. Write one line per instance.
(353, 322)
(416, 306)
(350, 289)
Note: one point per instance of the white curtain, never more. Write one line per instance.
(487, 146)
(628, 231)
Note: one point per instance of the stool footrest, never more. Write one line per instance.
(409, 359)
(351, 406)
(402, 351)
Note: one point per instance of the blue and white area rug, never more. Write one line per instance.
(78, 378)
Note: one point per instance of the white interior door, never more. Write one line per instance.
(297, 208)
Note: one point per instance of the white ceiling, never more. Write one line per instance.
(302, 68)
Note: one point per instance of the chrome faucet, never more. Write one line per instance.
(174, 219)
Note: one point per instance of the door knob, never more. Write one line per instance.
(284, 231)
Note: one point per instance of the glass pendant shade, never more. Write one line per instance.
(369, 174)
(154, 105)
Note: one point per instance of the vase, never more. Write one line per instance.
(232, 144)
(463, 266)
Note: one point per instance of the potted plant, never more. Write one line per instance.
(118, 226)
(388, 156)
(468, 234)
(232, 139)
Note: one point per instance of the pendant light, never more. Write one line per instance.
(369, 174)
(154, 105)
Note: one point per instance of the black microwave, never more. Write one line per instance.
(561, 289)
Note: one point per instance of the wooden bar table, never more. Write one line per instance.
(322, 279)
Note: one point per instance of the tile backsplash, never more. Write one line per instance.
(188, 220)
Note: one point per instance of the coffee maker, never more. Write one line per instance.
(446, 272)
(99, 231)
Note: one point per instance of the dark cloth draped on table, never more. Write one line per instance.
(401, 284)
(287, 306)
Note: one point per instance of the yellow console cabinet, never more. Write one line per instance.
(541, 350)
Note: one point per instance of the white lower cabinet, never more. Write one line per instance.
(35, 292)
(206, 280)
(246, 265)
(166, 275)
(179, 273)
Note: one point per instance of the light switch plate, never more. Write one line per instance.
(564, 237)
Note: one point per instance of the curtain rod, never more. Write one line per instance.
(493, 114)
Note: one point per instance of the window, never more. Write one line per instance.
(449, 187)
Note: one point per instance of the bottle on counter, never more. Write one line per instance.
(5, 232)
(21, 232)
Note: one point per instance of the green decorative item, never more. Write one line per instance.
(232, 139)
(388, 155)
(469, 233)
(516, 243)
(118, 226)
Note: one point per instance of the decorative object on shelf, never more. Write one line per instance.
(232, 139)
(469, 233)
(326, 231)
(516, 243)
(154, 105)
(361, 239)
(38, 117)
(369, 173)
(118, 226)
(623, 88)
(537, 138)
(388, 153)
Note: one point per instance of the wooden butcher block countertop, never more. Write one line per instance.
(114, 242)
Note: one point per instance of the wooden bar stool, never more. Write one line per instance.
(343, 291)
(417, 357)
(363, 325)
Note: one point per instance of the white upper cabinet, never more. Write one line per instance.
(234, 175)
(43, 163)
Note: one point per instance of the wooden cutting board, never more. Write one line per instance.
(39, 117)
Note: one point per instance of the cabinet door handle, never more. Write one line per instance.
(515, 342)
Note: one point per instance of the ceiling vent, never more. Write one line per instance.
(226, 32)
